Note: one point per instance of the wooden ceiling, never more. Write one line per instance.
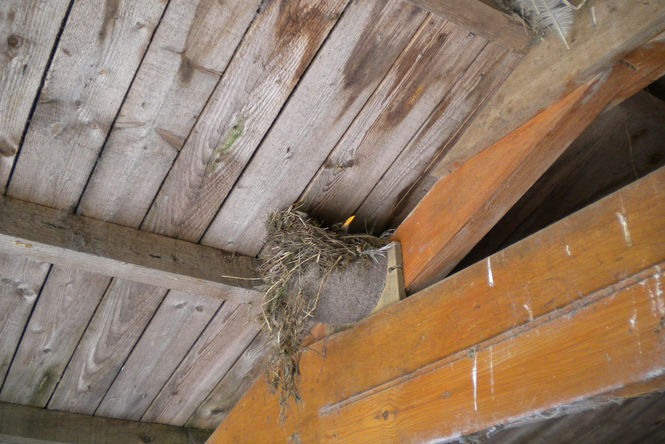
(194, 119)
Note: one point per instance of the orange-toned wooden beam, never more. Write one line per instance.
(574, 311)
(463, 206)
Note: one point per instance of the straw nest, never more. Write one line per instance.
(297, 249)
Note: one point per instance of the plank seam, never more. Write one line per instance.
(56, 43)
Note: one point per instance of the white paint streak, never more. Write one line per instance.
(624, 227)
(492, 372)
(474, 379)
(633, 324)
(568, 251)
(490, 277)
(526, 307)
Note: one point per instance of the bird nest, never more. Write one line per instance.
(299, 250)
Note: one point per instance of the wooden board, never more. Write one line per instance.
(442, 128)
(20, 284)
(213, 354)
(358, 53)
(532, 280)
(60, 317)
(278, 47)
(188, 53)
(97, 56)
(233, 385)
(413, 87)
(59, 237)
(482, 19)
(457, 212)
(176, 325)
(28, 30)
(547, 72)
(113, 331)
(29, 425)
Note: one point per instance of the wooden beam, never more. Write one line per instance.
(482, 19)
(464, 205)
(28, 425)
(570, 313)
(56, 236)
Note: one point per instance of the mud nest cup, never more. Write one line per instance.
(313, 274)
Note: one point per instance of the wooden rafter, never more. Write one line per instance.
(25, 425)
(56, 236)
(464, 205)
(544, 323)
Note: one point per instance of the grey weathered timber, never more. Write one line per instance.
(65, 306)
(175, 327)
(20, 282)
(61, 238)
(29, 425)
(274, 54)
(93, 66)
(482, 19)
(211, 356)
(191, 48)
(359, 52)
(28, 29)
(402, 103)
(113, 331)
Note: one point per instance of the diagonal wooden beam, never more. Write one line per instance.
(29, 425)
(464, 205)
(574, 312)
(482, 19)
(56, 236)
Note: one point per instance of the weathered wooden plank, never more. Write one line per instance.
(112, 333)
(434, 244)
(213, 354)
(97, 56)
(61, 238)
(417, 82)
(28, 30)
(29, 425)
(484, 76)
(20, 283)
(548, 71)
(67, 302)
(613, 341)
(191, 48)
(368, 39)
(526, 281)
(175, 326)
(277, 49)
(233, 385)
(480, 18)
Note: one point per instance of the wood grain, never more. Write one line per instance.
(532, 279)
(484, 20)
(112, 333)
(548, 71)
(233, 385)
(387, 203)
(66, 304)
(176, 325)
(359, 52)
(189, 52)
(28, 29)
(403, 101)
(277, 49)
(210, 358)
(613, 341)
(20, 283)
(97, 56)
(59, 237)
(29, 425)
(433, 245)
